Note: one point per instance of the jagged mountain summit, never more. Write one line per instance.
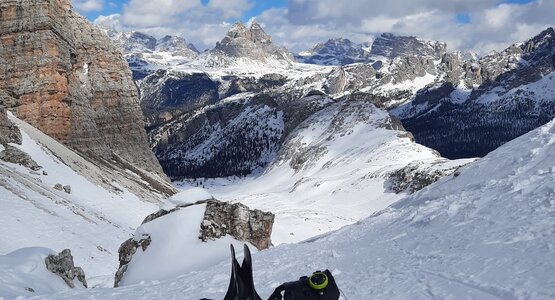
(253, 43)
(391, 46)
(338, 51)
(137, 42)
(490, 101)
(387, 46)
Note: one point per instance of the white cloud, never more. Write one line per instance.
(203, 25)
(305, 22)
(88, 5)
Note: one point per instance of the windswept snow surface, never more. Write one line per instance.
(188, 196)
(485, 234)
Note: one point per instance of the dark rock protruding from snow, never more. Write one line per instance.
(415, 177)
(220, 219)
(14, 155)
(237, 220)
(126, 252)
(9, 133)
(63, 266)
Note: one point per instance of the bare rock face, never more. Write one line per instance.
(237, 220)
(126, 252)
(9, 133)
(391, 46)
(71, 82)
(417, 176)
(251, 43)
(63, 266)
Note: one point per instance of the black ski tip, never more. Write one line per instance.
(232, 250)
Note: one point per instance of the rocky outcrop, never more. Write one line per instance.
(9, 133)
(126, 252)
(392, 46)
(63, 266)
(238, 221)
(487, 102)
(71, 82)
(417, 176)
(252, 43)
(220, 219)
(14, 155)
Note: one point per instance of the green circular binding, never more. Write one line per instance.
(318, 281)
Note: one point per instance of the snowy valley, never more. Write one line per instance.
(408, 170)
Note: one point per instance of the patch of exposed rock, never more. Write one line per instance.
(63, 266)
(13, 155)
(126, 252)
(220, 219)
(9, 133)
(417, 176)
(237, 220)
(390, 45)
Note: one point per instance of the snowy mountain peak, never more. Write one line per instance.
(390, 45)
(252, 43)
(136, 41)
(177, 46)
(258, 35)
(544, 40)
(336, 51)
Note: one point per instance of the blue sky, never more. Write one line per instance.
(476, 25)
(116, 6)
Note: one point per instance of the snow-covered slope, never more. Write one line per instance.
(333, 170)
(104, 207)
(485, 234)
(23, 272)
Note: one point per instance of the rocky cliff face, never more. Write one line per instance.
(71, 82)
(487, 102)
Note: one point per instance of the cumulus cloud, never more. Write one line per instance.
(302, 23)
(203, 25)
(493, 26)
(88, 5)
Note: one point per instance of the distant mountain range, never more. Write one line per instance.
(456, 103)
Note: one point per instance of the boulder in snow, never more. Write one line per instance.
(167, 240)
(14, 155)
(237, 220)
(63, 266)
